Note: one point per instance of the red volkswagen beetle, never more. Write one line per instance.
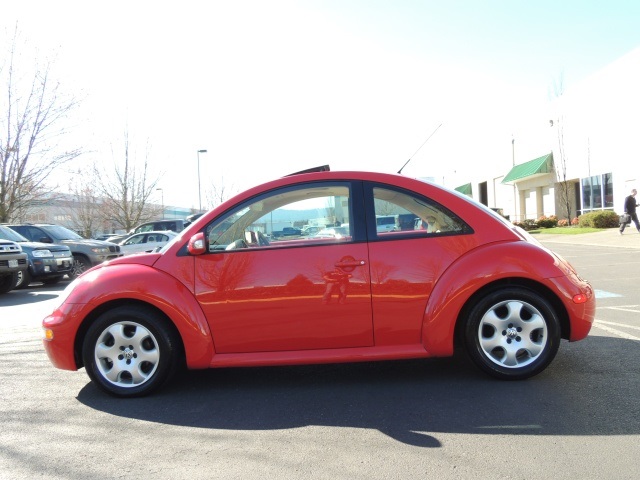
(225, 293)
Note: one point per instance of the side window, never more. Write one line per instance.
(284, 218)
(398, 211)
(135, 240)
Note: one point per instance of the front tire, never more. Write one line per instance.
(512, 334)
(80, 265)
(24, 279)
(130, 351)
(8, 282)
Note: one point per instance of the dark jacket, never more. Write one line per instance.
(630, 205)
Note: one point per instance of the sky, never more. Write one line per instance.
(273, 87)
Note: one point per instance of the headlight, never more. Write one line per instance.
(42, 253)
(100, 250)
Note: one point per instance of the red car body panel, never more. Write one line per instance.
(348, 301)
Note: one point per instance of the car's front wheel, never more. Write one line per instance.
(24, 279)
(512, 333)
(130, 351)
(8, 282)
(80, 265)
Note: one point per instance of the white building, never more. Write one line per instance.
(593, 148)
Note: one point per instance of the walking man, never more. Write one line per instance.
(630, 208)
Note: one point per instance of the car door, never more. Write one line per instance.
(406, 263)
(299, 293)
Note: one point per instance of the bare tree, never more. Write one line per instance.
(31, 125)
(84, 209)
(216, 195)
(564, 186)
(126, 189)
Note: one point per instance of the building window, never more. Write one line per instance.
(597, 192)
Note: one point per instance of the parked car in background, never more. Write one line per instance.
(333, 232)
(12, 261)
(176, 225)
(146, 242)
(224, 295)
(192, 218)
(117, 239)
(286, 232)
(47, 262)
(86, 253)
(311, 229)
(104, 236)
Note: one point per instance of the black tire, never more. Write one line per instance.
(24, 279)
(80, 265)
(512, 334)
(130, 351)
(8, 282)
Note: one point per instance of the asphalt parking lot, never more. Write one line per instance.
(439, 418)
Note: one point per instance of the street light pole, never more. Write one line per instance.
(199, 194)
(162, 197)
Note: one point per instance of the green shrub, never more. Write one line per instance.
(548, 222)
(527, 224)
(599, 219)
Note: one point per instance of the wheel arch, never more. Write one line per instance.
(483, 270)
(144, 286)
(131, 302)
(536, 287)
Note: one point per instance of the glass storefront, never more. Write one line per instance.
(597, 192)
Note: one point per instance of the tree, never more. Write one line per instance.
(216, 195)
(126, 189)
(564, 186)
(84, 210)
(31, 125)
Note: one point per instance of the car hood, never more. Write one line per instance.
(44, 246)
(89, 242)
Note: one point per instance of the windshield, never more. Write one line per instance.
(9, 234)
(62, 233)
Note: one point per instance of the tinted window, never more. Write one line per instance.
(413, 213)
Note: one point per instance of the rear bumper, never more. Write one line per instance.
(581, 313)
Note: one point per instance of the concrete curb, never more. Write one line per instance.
(605, 238)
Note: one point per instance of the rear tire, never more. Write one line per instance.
(512, 334)
(130, 351)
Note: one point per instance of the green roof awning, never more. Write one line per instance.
(464, 189)
(537, 166)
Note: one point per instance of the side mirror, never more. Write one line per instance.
(197, 244)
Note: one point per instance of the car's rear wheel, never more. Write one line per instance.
(130, 351)
(512, 334)
(80, 265)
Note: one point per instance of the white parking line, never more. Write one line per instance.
(625, 308)
(605, 326)
(604, 294)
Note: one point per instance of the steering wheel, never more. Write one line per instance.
(262, 239)
(240, 243)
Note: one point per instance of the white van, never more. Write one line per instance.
(387, 223)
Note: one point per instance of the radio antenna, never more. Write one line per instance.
(405, 163)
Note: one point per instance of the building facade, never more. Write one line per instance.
(592, 157)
